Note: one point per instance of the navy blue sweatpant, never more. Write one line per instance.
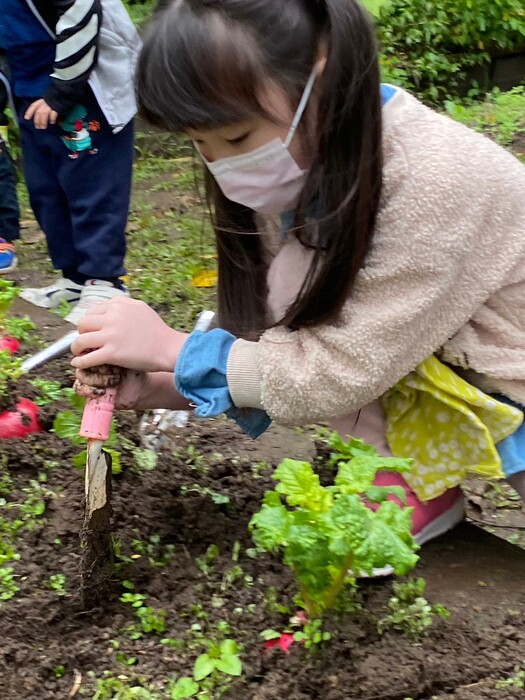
(9, 213)
(80, 198)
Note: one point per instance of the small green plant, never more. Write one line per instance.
(6, 483)
(324, 532)
(145, 460)
(122, 688)
(223, 657)
(20, 328)
(57, 583)
(158, 556)
(515, 681)
(218, 498)
(59, 671)
(7, 552)
(10, 371)
(312, 634)
(410, 611)
(150, 620)
(49, 391)
(37, 495)
(184, 687)
(8, 293)
(66, 426)
(206, 561)
(8, 587)
(122, 658)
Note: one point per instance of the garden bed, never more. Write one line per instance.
(183, 542)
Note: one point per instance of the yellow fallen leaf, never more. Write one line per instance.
(205, 278)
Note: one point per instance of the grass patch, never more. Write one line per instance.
(501, 115)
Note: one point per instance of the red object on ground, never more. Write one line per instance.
(9, 343)
(284, 642)
(20, 422)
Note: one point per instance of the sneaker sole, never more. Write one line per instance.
(46, 305)
(445, 522)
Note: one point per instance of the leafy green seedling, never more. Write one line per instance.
(326, 531)
(20, 328)
(8, 293)
(184, 687)
(49, 391)
(223, 657)
(515, 681)
(312, 634)
(410, 612)
(10, 371)
(206, 561)
(8, 587)
(57, 583)
(150, 620)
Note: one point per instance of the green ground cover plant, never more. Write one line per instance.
(409, 611)
(501, 115)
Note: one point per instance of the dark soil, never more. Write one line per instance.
(477, 576)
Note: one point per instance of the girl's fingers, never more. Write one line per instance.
(90, 359)
(88, 324)
(87, 341)
(96, 312)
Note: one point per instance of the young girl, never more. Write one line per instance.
(380, 234)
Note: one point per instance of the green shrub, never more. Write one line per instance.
(427, 46)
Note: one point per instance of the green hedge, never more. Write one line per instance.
(429, 46)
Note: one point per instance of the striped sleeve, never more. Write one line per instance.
(77, 33)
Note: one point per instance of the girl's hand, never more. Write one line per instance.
(132, 390)
(127, 333)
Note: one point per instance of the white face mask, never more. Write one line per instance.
(267, 180)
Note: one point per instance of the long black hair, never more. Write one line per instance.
(203, 65)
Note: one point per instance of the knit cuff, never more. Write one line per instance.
(244, 378)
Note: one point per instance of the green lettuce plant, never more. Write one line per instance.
(327, 534)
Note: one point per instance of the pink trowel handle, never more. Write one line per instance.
(96, 419)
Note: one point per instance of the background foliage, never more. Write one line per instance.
(429, 46)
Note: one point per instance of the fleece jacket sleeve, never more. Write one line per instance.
(451, 229)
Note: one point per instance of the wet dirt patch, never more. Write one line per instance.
(175, 506)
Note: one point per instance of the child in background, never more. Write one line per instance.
(399, 251)
(72, 64)
(9, 212)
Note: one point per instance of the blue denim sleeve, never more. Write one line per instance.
(200, 376)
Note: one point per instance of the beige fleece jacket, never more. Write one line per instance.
(446, 272)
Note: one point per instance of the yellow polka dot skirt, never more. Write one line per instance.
(448, 427)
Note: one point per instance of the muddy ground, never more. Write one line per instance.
(207, 484)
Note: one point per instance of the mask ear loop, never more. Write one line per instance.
(302, 105)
